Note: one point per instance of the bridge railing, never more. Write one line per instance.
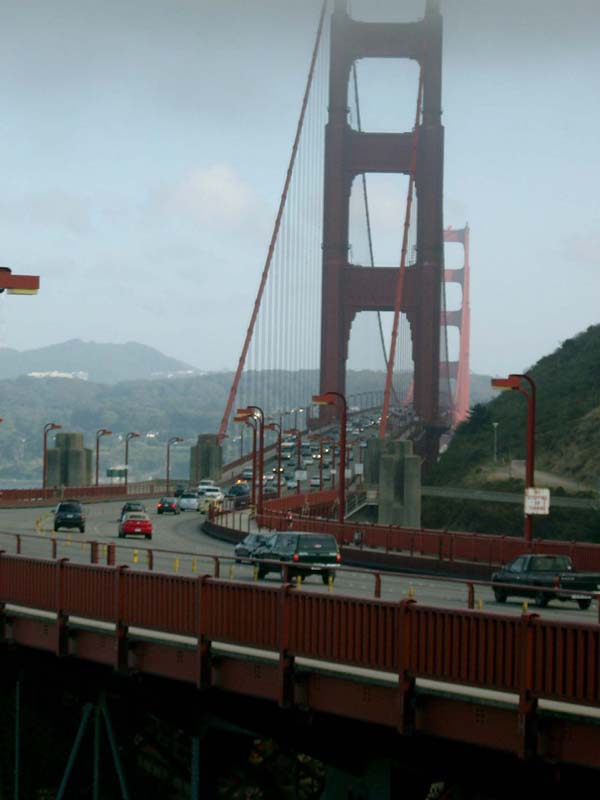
(526, 655)
(483, 548)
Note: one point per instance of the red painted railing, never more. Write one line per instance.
(527, 655)
(481, 548)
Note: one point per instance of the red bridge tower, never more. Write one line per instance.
(348, 289)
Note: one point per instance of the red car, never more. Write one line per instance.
(135, 524)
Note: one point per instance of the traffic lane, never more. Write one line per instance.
(189, 551)
(172, 532)
(431, 592)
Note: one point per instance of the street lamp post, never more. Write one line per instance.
(99, 434)
(330, 399)
(172, 440)
(130, 435)
(272, 426)
(295, 432)
(49, 426)
(251, 421)
(513, 382)
(495, 424)
(259, 415)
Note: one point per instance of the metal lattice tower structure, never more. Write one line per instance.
(349, 289)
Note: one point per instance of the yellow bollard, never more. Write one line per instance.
(298, 581)
(255, 573)
(176, 565)
(135, 556)
(525, 606)
(104, 550)
(411, 592)
(83, 546)
(330, 583)
(480, 603)
(231, 572)
(194, 565)
(68, 540)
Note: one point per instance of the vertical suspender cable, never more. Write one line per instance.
(400, 281)
(265, 273)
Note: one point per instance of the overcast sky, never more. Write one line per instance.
(144, 144)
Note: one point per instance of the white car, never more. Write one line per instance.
(203, 484)
(315, 481)
(189, 501)
(214, 493)
(291, 485)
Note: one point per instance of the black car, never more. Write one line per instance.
(244, 550)
(305, 553)
(168, 505)
(130, 506)
(240, 493)
(69, 514)
(179, 490)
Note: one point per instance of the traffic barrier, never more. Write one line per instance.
(527, 655)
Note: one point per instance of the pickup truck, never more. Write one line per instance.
(546, 572)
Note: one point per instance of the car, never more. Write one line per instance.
(69, 514)
(189, 501)
(240, 494)
(269, 491)
(308, 462)
(214, 493)
(168, 505)
(268, 477)
(247, 474)
(204, 483)
(278, 469)
(135, 524)
(304, 553)
(243, 550)
(179, 490)
(315, 481)
(536, 574)
(131, 505)
(292, 485)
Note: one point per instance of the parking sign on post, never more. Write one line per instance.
(537, 501)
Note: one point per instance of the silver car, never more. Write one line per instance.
(189, 501)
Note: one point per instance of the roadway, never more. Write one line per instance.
(179, 547)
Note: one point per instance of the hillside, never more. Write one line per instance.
(155, 408)
(568, 421)
(102, 363)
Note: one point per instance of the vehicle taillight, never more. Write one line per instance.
(338, 557)
(296, 557)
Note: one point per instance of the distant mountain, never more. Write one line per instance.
(100, 363)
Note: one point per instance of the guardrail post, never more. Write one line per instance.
(406, 681)
(150, 559)
(204, 654)
(54, 548)
(470, 595)
(111, 555)
(93, 552)
(377, 584)
(527, 723)
(122, 660)
(18, 543)
(62, 633)
(217, 564)
(286, 660)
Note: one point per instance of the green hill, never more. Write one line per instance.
(568, 421)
